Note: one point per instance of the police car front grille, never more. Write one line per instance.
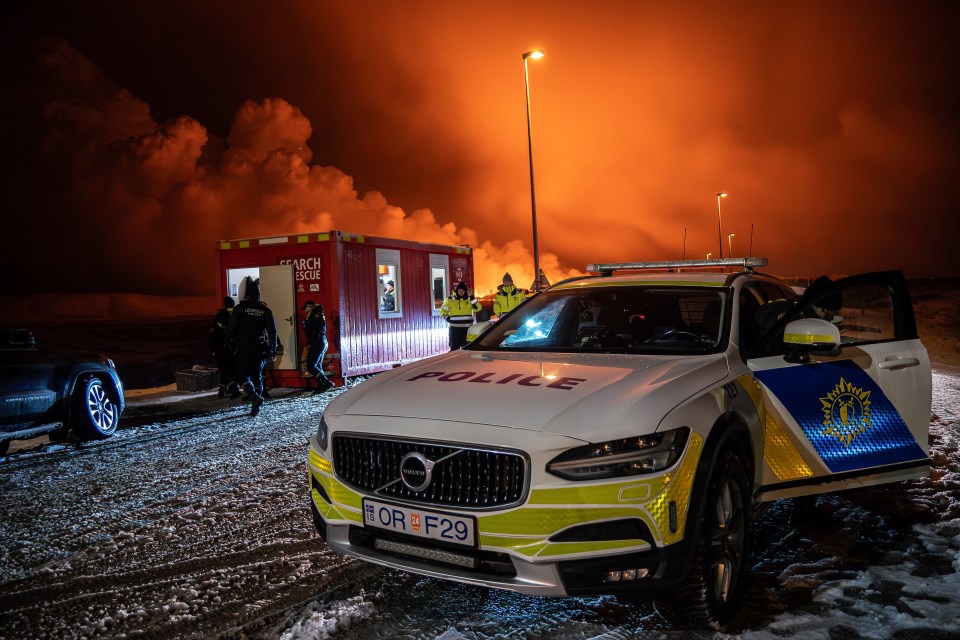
(462, 477)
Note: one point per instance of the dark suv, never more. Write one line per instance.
(53, 392)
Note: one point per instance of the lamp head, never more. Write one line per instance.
(536, 53)
(721, 195)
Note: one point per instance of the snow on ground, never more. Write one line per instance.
(883, 563)
(910, 592)
(192, 522)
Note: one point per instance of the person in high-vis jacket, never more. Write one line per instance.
(458, 310)
(508, 297)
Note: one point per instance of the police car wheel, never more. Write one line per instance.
(93, 414)
(717, 581)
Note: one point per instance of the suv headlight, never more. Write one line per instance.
(625, 457)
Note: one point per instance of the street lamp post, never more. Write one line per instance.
(730, 243)
(719, 224)
(536, 53)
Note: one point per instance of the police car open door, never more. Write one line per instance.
(845, 389)
(277, 290)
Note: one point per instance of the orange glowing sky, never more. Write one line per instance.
(138, 136)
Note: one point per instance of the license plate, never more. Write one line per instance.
(420, 523)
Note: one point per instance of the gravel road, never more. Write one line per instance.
(193, 522)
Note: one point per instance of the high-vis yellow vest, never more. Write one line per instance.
(459, 310)
(506, 300)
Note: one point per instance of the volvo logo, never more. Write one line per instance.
(416, 471)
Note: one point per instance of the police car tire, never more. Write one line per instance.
(93, 414)
(711, 594)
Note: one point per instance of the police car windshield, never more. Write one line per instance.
(614, 319)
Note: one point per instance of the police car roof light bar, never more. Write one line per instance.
(607, 269)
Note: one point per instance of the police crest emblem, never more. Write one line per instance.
(846, 412)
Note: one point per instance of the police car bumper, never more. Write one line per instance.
(613, 550)
(646, 573)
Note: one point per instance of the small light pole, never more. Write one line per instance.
(730, 243)
(721, 194)
(536, 53)
(708, 255)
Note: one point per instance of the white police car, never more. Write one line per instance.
(618, 434)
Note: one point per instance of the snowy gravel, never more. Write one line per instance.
(197, 526)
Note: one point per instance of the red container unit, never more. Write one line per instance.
(349, 274)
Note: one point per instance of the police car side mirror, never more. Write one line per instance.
(809, 335)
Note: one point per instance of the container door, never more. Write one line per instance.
(277, 290)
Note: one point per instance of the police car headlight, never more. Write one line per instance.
(626, 457)
(322, 434)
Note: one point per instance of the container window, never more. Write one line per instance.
(388, 283)
(439, 280)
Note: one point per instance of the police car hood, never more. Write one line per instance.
(565, 394)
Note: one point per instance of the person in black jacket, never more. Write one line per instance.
(389, 301)
(315, 326)
(254, 331)
(223, 352)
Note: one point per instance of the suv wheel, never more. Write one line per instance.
(717, 579)
(93, 414)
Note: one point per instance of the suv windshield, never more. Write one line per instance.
(614, 319)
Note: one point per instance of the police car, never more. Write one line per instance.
(619, 433)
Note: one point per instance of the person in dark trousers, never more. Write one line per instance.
(263, 374)
(223, 352)
(458, 310)
(254, 331)
(315, 326)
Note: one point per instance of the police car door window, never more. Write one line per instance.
(863, 312)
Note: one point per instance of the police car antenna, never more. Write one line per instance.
(607, 269)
